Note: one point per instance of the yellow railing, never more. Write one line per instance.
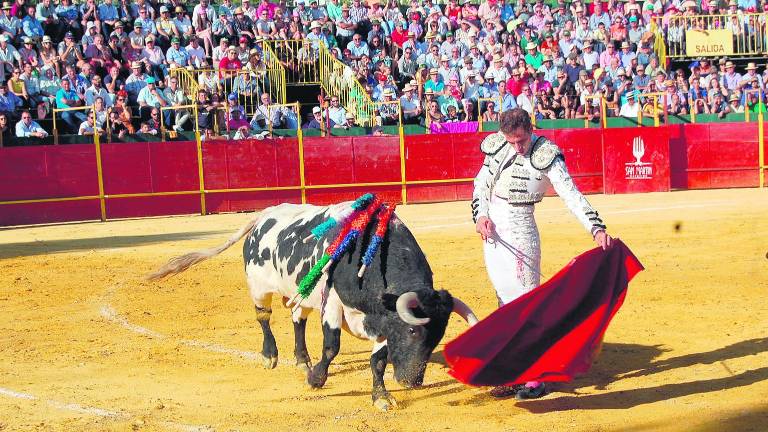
(655, 108)
(603, 118)
(481, 111)
(249, 86)
(659, 45)
(193, 113)
(340, 80)
(71, 109)
(748, 32)
(298, 58)
(187, 82)
(225, 130)
(275, 73)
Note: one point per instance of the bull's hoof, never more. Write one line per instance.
(385, 403)
(316, 380)
(305, 366)
(268, 362)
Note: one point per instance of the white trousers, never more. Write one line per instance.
(513, 253)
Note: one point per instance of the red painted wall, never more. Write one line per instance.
(714, 155)
(48, 172)
(699, 156)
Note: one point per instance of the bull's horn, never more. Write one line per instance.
(404, 304)
(464, 311)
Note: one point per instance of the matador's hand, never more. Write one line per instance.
(603, 239)
(484, 226)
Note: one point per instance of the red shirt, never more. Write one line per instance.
(227, 64)
(551, 46)
(399, 37)
(515, 86)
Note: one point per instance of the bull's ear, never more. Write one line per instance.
(389, 301)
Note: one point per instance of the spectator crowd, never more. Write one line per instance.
(444, 62)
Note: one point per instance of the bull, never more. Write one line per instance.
(393, 304)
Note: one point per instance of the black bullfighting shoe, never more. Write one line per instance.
(531, 392)
(505, 391)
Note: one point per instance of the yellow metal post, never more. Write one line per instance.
(300, 136)
(761, 139)
(603, 119)
(199, 143)
(746, 110)
(99, 168)
(693, 113)
(401, 133)
(656, 111)
(55, 131)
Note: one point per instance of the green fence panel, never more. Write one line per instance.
(679, 119)
(411, 129)
(355, 131)
(490, 126)
(285, 132)
(311, 132)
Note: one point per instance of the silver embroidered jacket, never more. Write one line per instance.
(523, 179)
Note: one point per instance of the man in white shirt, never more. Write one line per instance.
(28, 128)
(410, 104)
(335, 112)
(631, 108)
(95, 91)
(88, 127)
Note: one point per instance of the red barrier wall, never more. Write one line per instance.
(442, 157)
(345, 160)
(142, 167)
(699, 156)
(714, 155)
(48, 172)
(249, 164)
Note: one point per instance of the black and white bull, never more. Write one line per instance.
(394, 304)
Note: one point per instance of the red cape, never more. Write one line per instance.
(551, 333)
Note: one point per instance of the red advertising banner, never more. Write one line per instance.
(636, 160)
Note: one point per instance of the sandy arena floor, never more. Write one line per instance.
(87, 345)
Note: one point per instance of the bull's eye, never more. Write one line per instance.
(412, 331)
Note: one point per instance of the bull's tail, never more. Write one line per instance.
(181, 263)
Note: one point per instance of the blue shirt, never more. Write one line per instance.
(107, 11)
(508, 102)
(32, 27)
(507, 13)
(67, 12)
(61, 95)
(9, 102)
(179, 56)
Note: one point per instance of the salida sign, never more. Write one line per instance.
(702, 43)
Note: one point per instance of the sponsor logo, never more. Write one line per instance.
(638, 170)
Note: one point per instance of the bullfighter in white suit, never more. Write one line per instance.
(518, 169)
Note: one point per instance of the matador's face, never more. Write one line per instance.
(520, 139)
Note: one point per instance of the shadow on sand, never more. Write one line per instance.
(620, 361)
(16, 250)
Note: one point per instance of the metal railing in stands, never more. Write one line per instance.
(748, 32)
(338, 79)
(298, 58)
(187, 82)
(248, 84)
